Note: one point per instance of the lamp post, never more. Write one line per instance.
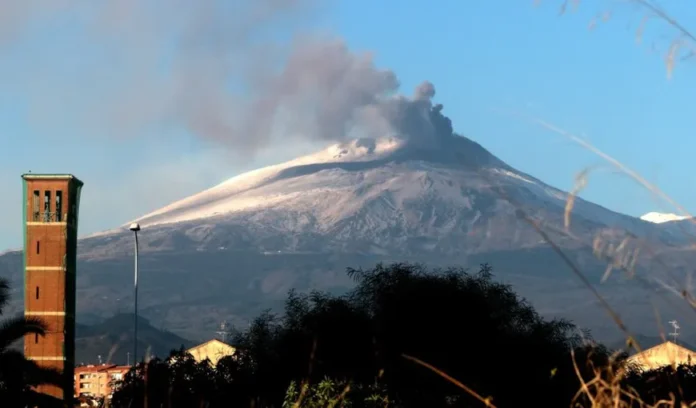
(135, 227)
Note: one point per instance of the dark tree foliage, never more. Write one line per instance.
(470, 327)
(17, 374)
(664, 384)
(179, 379)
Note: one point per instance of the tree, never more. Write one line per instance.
(177, 381)
(668, 383)
(17, 374)
(379, 342)
(319, 336)
(473, 329)
(466, 325)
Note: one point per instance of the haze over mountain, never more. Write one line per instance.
(418, 193)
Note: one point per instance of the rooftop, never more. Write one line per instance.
(57, 176)
(212, 341)
(100, 368)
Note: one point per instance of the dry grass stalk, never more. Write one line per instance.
(605, 390)
(487, 401)
(580, 184)
(305, 384)
(680, 48)
(638, 178)
(573, 267)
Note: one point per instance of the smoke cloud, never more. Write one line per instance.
(223, 71)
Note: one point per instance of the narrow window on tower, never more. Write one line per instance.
(38, 247)
(37, 292)
(47, 206)
(36, 338)
(59, 205)
(36, 206)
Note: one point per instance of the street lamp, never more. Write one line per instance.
(135, 227)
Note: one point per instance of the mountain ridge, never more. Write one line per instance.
(237, 194)
(234, 250)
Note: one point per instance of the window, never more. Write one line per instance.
(38, 247)
(47, 206)
(59, 205)
(36, 338)
(36, 201)
(37, 292)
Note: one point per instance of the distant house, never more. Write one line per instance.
(667, 353)
(212, 350)
(97, 381)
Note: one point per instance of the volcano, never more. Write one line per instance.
(235, 249)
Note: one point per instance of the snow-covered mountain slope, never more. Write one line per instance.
(232, 250)
(264, 187)
(659, 218)
(382, 196)
(336, 182)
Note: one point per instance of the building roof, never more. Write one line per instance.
(212, 350)
(209, 342)
(665, 346)
(666, 353)
(99, 368)
(38, 176)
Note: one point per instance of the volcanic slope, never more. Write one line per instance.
(233, 250)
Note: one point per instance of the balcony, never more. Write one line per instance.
(47, 216)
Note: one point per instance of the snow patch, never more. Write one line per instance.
(216, 200)
(659, 218)
(538, 186)
(513, 175)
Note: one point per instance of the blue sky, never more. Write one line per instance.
(485, 58)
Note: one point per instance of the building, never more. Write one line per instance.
(212, 350)
(51, 204)
(98, 381)
(667, 353)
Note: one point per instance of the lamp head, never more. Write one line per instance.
(135, 227)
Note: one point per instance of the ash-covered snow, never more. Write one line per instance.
(375, 196)
(261, 188)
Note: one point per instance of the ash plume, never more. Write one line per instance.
(224, 73)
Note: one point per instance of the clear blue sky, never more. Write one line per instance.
(484, 57)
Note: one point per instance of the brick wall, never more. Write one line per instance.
(50, 240)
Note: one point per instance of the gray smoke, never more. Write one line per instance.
(225, 72)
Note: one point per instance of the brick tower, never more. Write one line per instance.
(51, 204)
